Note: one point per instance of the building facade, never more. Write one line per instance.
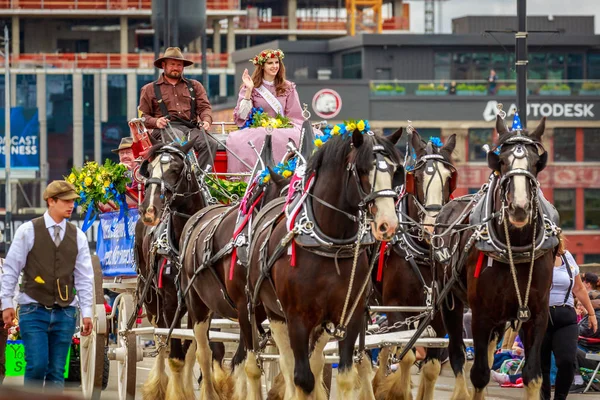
(76, 97)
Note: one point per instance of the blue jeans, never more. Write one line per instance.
(47, 336)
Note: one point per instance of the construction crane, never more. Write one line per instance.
(364, 14)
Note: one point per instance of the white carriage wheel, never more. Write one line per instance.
(126, 365)
(91, 349)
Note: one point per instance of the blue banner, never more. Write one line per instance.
(25, 133)
(115, 247)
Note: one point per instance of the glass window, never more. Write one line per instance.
(564, 201)
(26, 91)
(592, 208)
(477, 138)
(116, 127)
(441, 58)
(383, 74)
(441, 72)
(564, 144)
(591, 144)
(352, 65)
(593, 66)
(59, 117)
(591, 258)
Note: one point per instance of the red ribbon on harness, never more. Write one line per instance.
(381, 261)
(293, 257)
(479, 264)
(160, 273)
(237, 232)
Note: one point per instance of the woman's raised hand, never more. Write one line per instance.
(247, 79)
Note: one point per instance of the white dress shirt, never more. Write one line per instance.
(17, 257)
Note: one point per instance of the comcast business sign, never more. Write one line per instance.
(539, 110)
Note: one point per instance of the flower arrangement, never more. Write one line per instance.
(97, 183)
(265, 55)
(285, 169)
(344, 129)
(436, 141)
(258, 118)
(14, 332)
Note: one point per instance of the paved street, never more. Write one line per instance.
(443, 392)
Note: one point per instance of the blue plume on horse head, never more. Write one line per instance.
(516, 125)
(436, 141)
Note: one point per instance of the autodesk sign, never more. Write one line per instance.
(539, 110)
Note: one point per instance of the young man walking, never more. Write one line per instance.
(54, 256)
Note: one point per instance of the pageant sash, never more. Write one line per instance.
(270, 99)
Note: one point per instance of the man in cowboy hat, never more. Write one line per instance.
(182, 102)
(54, 257)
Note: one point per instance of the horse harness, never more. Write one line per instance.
(303, 231)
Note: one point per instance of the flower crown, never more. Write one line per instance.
(266, 55)
(344, 129)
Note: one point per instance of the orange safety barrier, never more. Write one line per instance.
(396, 23)
(103, 4)
(106, 60)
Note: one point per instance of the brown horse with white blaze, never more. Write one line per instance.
(504, 261)
(406, 278)
(312, 292)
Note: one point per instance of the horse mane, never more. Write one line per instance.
(338, 148)
(156, 148)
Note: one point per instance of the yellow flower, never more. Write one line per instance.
(336, 130)
(361, 125)
(318, 143)
(106, 183)
(351, 127)
(99, 178)
(267, 178)
(39, 280)
(287, 173)
(87, 181)
(264, 124)
(71, 178)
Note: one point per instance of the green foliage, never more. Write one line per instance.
(233, 188)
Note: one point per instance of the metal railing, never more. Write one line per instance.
(105, 60)
(541, 87)
(103, 4)
(313, 23)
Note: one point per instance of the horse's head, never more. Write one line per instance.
(366, 165)
(521, 158)
(433, 178)
(167, 173)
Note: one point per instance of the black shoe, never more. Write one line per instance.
(577, 388)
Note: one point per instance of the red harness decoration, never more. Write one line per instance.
(381, 261)
(479, 264)
(238, 231)
(293, 220)
(160, 274)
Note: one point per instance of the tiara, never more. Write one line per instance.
(265, 55)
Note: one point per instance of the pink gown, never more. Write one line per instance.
(238, 141)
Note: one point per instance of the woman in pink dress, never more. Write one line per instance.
(268, 89)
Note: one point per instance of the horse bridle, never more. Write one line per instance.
(431, 164)
(165, 187)
(518, 152)
(381, 165)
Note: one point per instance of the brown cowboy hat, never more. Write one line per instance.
(126, 143)
(173, 53)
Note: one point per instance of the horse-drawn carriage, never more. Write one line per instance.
(358, 231)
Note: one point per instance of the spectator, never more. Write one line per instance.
(492, 80)
(562, 331)
(585, 345)
(580, 310)
(590, 281)
(452, 89)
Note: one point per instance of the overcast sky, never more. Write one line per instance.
(460, 8)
